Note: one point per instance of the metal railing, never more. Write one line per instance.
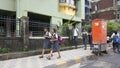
(7, 26)
(36, 28)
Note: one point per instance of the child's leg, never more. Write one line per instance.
(43, 51)
(59, 56)
(51, 52)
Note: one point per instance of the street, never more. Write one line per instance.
(110, 60)
(59, 33)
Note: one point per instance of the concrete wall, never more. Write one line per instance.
(107, 15)
(46, 7)
(103, 4)
(7, 5)
(35, 44)
(81, 9)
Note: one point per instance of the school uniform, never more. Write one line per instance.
(108, 39)
(75, 37)
(55, 45)
(84, 36)
(47, 41)
(90, 39)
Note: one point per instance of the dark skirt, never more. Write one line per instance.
(46, 44)
(55, 46)
(108, 41)
(115, 45)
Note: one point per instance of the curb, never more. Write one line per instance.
(65, 64)
(15, 55)
(71, 62)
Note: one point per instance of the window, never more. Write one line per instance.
(62, 1)
(68, 8)
(72, 2)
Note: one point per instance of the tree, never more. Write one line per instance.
(112, 26)
(65, 27)
(88, 26)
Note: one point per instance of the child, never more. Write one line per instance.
(46, 44)
(54, 45)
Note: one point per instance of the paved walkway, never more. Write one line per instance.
(36, 62)
(110, 60)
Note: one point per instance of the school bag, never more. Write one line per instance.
(60, 40)
(118, 40)
(115, 38)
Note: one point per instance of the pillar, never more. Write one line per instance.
(19, 13)
(8, 27)
(55, 21)
(81, 8)
(25, 30)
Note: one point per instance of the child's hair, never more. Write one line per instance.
(46, 28)
(54, 30)
(115, 32)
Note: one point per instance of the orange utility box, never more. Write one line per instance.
(99, 31)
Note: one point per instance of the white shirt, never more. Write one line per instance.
(108, 38)
(114, 35)
(56, 35)
(75, 32)
(47, 33)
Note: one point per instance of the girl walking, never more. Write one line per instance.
(84, 36)
(54, 45)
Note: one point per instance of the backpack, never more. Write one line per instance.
(59, 40)
(118, 40)
(115, 38)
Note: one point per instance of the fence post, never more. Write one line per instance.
(8, 27)
(25, 30)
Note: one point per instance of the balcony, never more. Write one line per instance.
(67, 8)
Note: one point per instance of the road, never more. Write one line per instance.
(111, 60)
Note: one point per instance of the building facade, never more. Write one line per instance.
(105, 10)
(51, 12)
(87, 11)
(116, 4)
(22, 21)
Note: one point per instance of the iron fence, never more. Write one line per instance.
(36, 28)
(7, 26)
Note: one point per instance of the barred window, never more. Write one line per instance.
(72, 2)
(62, 1)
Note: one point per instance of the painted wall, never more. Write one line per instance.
(46, 7)
(67, 8)
(7, 5)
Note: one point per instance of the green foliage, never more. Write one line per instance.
(68, 22)
(25, 48)
(88, 26)
(4, 50)
(112, 26)
(63, 45)
(65, 27)
(0, 50)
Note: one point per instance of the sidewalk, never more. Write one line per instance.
(68, 58)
